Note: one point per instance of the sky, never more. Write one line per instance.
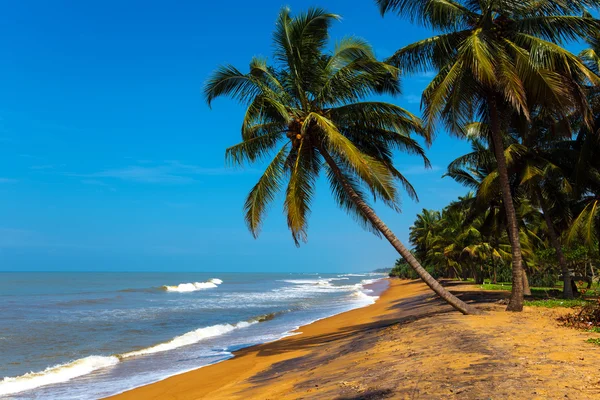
(110, 160)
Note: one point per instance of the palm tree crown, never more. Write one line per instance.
(508, 49)
(309, 106)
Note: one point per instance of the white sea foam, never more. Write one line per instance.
(361, 295)
(320, 281)
(306, 281)
(57, 374)
(190, 338)
(83, 366)
(192, 287)
(370, 281)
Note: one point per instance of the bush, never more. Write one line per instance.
(403, 271)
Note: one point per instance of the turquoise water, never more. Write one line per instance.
(89, 335)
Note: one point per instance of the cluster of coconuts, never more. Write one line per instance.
(293, 133)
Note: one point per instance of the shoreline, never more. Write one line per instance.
(409, 344)
(245, 360)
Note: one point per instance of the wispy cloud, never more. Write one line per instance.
(8, 180)
(135, 173)
(41, 167)
(167, 172)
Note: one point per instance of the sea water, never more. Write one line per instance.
(91, 335)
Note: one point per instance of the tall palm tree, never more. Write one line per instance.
(536, 163)
(493, 59)
(310, 106)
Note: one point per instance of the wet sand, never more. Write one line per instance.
(408, 345)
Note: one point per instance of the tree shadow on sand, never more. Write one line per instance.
(362, 337)
(370, 395)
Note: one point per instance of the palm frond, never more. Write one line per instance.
(264, 192)
(300, 190)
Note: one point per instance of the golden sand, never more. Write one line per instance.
(408, 345)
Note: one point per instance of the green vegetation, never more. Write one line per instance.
(503, 80)
(595, 341)
(554, 303)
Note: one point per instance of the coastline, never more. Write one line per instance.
(146, 344)
(409, 344)
(225, 376)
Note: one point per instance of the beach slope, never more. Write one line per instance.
(408, 345)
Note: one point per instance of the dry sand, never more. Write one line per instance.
(408, 345)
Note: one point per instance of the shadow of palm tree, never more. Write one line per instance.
(360, 337)
(370, 395)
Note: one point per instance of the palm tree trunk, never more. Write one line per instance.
(526, 288)
(516, 298)
(562, 262)
(389, 235)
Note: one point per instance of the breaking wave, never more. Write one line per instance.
(192, 287)
(57, 374)
(83, 366)
(189, 338)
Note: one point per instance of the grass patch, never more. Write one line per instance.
(539, 292)
(556, 303)
(497, 286)
(595, 341)
(595, 329)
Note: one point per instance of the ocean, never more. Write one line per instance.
(88, 335)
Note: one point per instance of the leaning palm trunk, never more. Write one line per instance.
(516, 298)
(562, 262)
(394, 241)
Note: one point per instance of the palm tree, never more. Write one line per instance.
(583, 154)
(423, 231)
(531, 172)
(310, 106)
(493, 59)
(536, 163)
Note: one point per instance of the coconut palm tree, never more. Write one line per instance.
(423, 231)
(493, 59)
(310, 108)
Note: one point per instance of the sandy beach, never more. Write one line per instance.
(408, 345)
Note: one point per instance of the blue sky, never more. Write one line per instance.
(110, 159)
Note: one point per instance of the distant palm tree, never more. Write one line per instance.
(310, 106)
(493, 59)
(424, 229)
